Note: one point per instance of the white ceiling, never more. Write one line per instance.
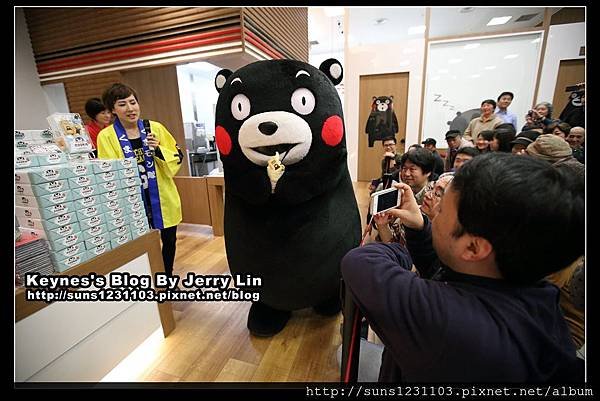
(445, 21)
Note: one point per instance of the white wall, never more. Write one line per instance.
(31, 109)
(402, 56)
(564, 42)
(56, 98)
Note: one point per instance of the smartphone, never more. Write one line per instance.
(385, 200)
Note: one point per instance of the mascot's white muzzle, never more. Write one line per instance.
(263, 135)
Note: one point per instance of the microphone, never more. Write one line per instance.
(148, 132)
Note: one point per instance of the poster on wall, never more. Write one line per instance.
(382, 122)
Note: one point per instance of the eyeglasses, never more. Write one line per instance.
(387, 145)
(431, 193)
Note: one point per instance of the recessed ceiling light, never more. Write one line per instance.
(490, 67)
(509, 56)
(381, 21)
(415, 30)
(475, 76)
(454, 60)
(467, 9)
(499, 20)
(472, 46)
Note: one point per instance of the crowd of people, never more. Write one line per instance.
(461, 281)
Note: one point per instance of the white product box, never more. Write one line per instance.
(25, 159)
(128, 173)
(115, 213)
(137, 215)
(135, 190)
(108, 186)
(87, 212)
(136, 224)
(88, 201)
(70, 262)
(46, 213)
(132, 182)
(93, 242)
(109, 196)
(38, 175)
(49, 224)
(120, 240)
(84, 192)
(92, 221)
(82, 181)
(129, 162)
(63, 242)
(131, 199)
(98, 250)
(107, 176)
(102, 166)
(138, 232)
(41, 189)
(56, 233)
(118, 232)
(46, 159)
(115, 223)
(111, 205)
(81, 168)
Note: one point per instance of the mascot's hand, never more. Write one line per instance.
(275, 170)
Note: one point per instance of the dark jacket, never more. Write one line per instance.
(457, 327)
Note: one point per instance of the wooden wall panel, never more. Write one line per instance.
(58, 29)
(285, 28)
(80, 89)
(158, 93)
(194, 200)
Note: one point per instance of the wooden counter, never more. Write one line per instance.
(216, 191)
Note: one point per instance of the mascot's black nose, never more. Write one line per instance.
(268, 127)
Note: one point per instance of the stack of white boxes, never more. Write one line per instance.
(81, 208)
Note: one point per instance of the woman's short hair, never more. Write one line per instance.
(116, 92)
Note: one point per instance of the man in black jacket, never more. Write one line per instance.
(479, 309)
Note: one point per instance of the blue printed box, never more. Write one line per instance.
(94, 231)
(137, 215)
(120, 240)
(88, 201)
(115, 213)
(46, 213)
(25, 159)
(129, 162)
(111, 205)
(109, 196)
(82, 181)
(68, 251)
(46, 159)
(98, 250)
(92, 221)
(54, 198)
(57, 233)
(135, 190)
(88, 212)
(48, 224)
(131, 199)
(61, 243)
(128, 173)
(41, 189)
(102, 166)
(108, 186)
(70, 262)
(84, 192)
(138, 232)
(115, 223)
(132, 182)
(107, 176)
(81, 168)
(140, 223)
(37, 175)
(93, 242)
(119, 232)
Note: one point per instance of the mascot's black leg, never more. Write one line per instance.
(264, 321)
(329, 307)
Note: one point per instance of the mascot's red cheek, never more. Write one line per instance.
(223, 140)
(333, 130)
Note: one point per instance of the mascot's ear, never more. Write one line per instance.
(374, 98)
(392, 97)
(333, 69)
(221, 78)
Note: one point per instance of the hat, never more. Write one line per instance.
(525, 138)
(452, 134)
(549, 147)
(429, 141)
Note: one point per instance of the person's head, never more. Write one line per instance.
(502, 139)
(544, 109)
(122, 101)
(483, 140)
(488, 106)
(416, 167)
(558, 128)
(414, 146)
(550, 148)
(96, 110)
(389, 144)
(464, 155)
(453, 138)
(429, 144)
(517, 240)
(520, 143)
(576, 137)
(505, 99)
(433, 197)
(506, 127)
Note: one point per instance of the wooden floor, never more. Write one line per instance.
(211, 341)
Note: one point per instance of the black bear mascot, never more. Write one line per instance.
(382, 122)
(290, 210)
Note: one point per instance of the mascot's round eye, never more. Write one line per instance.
(240, 106)
(387, 101)
(303, 101)
(378, 101)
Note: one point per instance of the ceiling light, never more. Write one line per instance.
(490, 67)
(334, 11)
(472, 46)
(509, 56)
(415, 30)
(381, 21)
(454, 60)
(467, 9)
(499, 20)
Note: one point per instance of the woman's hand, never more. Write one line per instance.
(152, 140)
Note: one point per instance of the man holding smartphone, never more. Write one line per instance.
(390, 163)
(486, 314)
